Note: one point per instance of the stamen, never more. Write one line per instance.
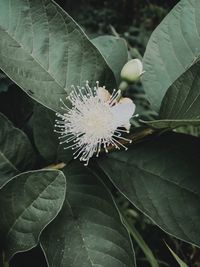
(88, 125)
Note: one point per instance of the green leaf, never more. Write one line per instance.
(5, 82)
(180, 106)
(28, 203)
(17, 106)
(192, 130)
(115, 51)
(16, 152)
(182, 99)
(88, 231)
(44, 51)
(171, 124)
(173, 48)
(179, 261)
(46, 140)
(160, 177)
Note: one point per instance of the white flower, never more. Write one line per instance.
(93, 119)
(132, 70)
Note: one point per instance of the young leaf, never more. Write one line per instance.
(173, 48)
(28, 203)
(160, 177)
(88, 231)
(16, 152)
(114, 50)
(44, 51)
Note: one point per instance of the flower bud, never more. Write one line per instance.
(132, 70)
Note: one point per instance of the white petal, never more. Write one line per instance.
(124, 100)
(103, 94)
(123, 111)
(127, 126)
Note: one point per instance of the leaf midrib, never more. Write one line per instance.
(30, 204)
(31, 55)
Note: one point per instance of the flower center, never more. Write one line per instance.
(98, 122)
(93, 121)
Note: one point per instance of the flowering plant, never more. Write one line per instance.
(94, 121)
(80, 106)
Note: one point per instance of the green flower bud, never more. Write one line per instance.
(132, 70)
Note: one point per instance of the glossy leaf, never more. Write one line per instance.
(44, 51)
(88, 231)
(160, 177)
(115, 51)
(173, 48)
(28, 203)
(16, 152)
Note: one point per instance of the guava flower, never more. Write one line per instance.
(132, 70)
(93, 120)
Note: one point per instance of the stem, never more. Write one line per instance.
(58, 166)
(123, 86)
(135, 137)
(142, 244)
(5, 263)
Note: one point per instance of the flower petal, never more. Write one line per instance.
(103, 94)
(123, 111)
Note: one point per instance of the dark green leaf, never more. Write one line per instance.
(171, 124)
(31, 258)
(173, 48)
(5, 82)
(114, 50)
(16, 152)
(88, 231)
(43, 129)
(180, 106)
(44, 51)
(16, 105)
(182, 99)
(46, 139)
(27, 204)
(161, 178)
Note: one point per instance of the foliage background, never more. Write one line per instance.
(133, 20)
